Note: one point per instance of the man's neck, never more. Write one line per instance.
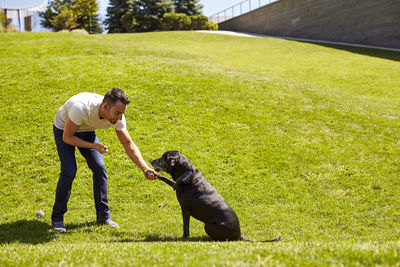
(101, 112)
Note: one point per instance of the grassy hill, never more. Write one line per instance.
(301, 139)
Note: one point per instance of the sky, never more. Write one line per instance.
(210, 6)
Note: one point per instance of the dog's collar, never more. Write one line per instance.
(184, 176)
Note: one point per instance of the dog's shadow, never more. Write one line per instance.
(26, 231)
(125, 237)
(157, 238)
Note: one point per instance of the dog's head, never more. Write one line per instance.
(172, 162)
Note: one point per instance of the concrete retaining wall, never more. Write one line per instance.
(368, 22)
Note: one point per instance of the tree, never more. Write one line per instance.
(147, 14)
(188, 7)
(72, 14)
(116, 10)
(65, 19)
(87, 15)
(51, 12)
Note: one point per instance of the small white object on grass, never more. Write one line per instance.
(40, 213)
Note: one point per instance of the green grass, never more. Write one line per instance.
(301, 139)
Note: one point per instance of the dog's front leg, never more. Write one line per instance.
(186, 220)
(167, 181)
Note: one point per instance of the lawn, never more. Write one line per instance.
(301, 139)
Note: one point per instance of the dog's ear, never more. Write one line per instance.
(171, 161)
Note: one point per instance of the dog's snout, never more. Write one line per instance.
(157, 165)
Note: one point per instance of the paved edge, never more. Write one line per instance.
(246, 34)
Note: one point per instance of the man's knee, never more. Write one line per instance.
(98, 167)
(68, 173)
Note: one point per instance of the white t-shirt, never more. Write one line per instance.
(83, 110)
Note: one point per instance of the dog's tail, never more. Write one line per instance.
(273, 240)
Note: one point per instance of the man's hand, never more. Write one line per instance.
(100, 148)
(70, 128)
(150, 174)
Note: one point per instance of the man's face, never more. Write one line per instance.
(115, 112)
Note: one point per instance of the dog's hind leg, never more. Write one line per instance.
(220, 232)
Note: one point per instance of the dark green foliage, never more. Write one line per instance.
(148, 14)
(188, 7)
(199, 22)
(116, 10)
(176, 21)
(51, 12)
(179, 21)
(128, 22)
(136, 15)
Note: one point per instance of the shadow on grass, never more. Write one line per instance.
(124, 237)
(26, 231)
(156, 238)
(386, 54)
(73, 226)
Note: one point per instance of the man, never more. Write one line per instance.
(74, 126)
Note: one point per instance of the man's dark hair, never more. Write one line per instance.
(112, 96)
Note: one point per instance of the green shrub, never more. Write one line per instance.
(211, 26)
(199, 22)
(168, 21)
(179, 21)
(3, 21)
(176, 21)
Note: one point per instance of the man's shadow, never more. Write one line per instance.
(38, 232)
(26, 231)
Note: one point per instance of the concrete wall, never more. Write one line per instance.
(369, 22)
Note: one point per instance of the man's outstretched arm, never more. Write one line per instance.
(134, 153)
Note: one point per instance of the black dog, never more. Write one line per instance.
(198, 198)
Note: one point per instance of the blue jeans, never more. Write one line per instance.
(95, 162)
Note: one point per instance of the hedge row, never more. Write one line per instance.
(179, 21)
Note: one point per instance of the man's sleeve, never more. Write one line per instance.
(121, 125)
(76, 114)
